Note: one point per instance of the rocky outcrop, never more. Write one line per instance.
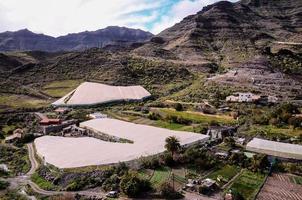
(230, 33)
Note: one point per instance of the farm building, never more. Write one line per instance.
(97, 115)
(88, 94)
(142, 140)
(17, 135)
(220, 132)
(278, 149)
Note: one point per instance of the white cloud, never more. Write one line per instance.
(59, 17)
(179, 11)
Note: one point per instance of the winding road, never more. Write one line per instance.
(25, 180)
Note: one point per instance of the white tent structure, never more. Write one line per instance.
(89, 93)
(278, 149)
(66, 152)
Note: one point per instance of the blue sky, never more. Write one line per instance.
(60, 17)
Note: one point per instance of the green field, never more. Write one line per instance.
(21, 101)
(248, 184)
(60, 88)
(196, 117)
(226, 173)
(297, 180)
(42, 183)
(160, 176)
(172, 126)
(272, 131)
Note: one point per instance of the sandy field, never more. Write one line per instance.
(95, 93)
(78, 152)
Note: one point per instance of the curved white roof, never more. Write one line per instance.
(89, 93)
(278, 149)
(66, 152)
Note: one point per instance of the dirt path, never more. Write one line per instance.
(33, 161)
(24, 180)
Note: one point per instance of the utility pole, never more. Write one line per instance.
(173, 181)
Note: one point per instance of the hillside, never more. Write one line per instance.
(230, 33)
(225, 48)
(25, 40)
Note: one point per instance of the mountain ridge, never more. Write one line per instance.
(25, 40)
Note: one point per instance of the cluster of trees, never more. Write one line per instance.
(3, 184)
(279, 116)
(176, 155)
(132, 185)
(258, 163)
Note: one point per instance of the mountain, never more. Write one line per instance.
(228, 33)
(25, 40)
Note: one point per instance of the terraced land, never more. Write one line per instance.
(160, 176)
(224, 174)
(280, 187)
(248, 184)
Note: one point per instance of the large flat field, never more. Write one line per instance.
(195, 117)
(79, 152)
(60, 88)
(21, 101)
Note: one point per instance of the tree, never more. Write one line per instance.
(172, 145)
(259, 162)
(229, 141)
(178, 107)
(132, 185)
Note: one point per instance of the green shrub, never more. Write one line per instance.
(3, 184)
(132, 185)
(168, 192)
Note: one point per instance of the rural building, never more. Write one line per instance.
(246, 97)
(45, 121)
(54, 128)
(222, 155)
(210, 184)
(89, 94)
(251, 98)
(73, 130)
(232, 98)
(277, 149)
(62, 110)
(17, 135)
(4, 167)
(97, 115)
(220, 132)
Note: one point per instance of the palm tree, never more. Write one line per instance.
(172, 145)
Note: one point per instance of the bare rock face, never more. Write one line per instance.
(25, 40)
(230, 33)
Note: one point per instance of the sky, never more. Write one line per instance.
(60, 17)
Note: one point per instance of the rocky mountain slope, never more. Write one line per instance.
(25, 40)
(228, 33)
(250, 45)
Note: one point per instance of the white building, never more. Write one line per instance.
(97, 115)
(245, 97)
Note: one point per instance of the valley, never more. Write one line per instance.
(120, 113)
